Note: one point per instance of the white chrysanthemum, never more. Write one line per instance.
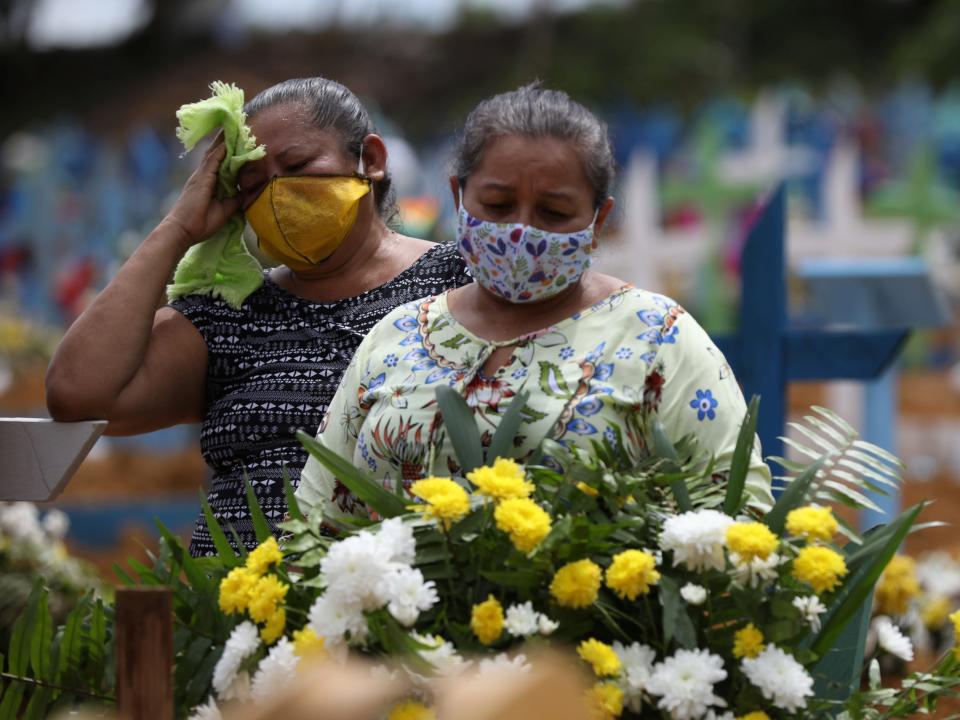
(20, 520)
(353, 569)
(56, 523)
(811, 608)
(711, 715)
(637, 661)
(546, 625)
(396, 538)
(276, 671)
(209, 711)
(407, 594)
(242, 643)
(939, 574)
(685, 683)
(694, 594)
(522, 620)
(442, 655)
(504, 664)
(756, 572)
(697, 538)
(331, 618)
(780, 678)
(239, 689)
(891, 639)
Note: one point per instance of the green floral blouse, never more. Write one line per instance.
(598, 374)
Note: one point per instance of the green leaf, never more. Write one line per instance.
(260, 525)
(676, 623)
(41, 638)
(461, 427)
(19, 655)
(740, 464)
(293, 507)
(71, 642)
(220, 542)
(97, 635)
(468, 525)
(197, 578)
(37, 707)
(520, 579)
(792, 497)
(12, 699)
(123, 575)
(665, 449)
(870, 562)
(502, 443)
(371, 492)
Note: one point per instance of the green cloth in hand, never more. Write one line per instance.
(220, 266)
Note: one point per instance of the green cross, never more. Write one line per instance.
(921, 198)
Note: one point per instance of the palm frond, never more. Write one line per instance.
(852, 470)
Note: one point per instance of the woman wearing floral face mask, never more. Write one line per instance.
(256, 374)
(597, 357)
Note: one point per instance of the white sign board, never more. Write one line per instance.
(39, 456)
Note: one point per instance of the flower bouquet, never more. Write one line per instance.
(678, 597)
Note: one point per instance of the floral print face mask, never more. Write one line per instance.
(522, 263)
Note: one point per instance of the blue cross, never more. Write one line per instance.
(767, 352)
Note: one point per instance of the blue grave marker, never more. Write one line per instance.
(767, 352)
(877, 293)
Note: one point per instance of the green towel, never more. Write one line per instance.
(220, 266)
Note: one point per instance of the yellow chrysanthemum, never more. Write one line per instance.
(935, 612)
(411, 710)
(503, 480)
(601, 657)
(747, 642)
(445, 500)
(812, 523)
(267, 554)
(751, 540)
(820, 567)
(755, 715)
(576, 584)
(306, 643)
(525, 521)
(274, 626)
(897, 586)
(587, 490)
(235, 590)
(605, 701)
(955, 619)
(486, 620)
(265, 596)
(632, 573)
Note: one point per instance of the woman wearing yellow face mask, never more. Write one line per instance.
(254, 375)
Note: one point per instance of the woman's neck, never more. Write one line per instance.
(491, 317)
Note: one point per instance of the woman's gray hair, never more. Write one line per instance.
(332, 107)
(533, 111)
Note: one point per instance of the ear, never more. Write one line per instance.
(455, 189)
(601, 218)
(374, 157)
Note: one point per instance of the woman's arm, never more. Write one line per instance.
(122, 359)
(701, 396)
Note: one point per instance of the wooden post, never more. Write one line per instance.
(144, 653)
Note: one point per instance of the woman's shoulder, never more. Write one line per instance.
(443, 260)
(265, 298)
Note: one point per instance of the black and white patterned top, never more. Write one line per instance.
(273, 367)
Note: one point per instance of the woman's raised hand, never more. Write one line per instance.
(198, 213)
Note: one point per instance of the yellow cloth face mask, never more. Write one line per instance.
(301, 220)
